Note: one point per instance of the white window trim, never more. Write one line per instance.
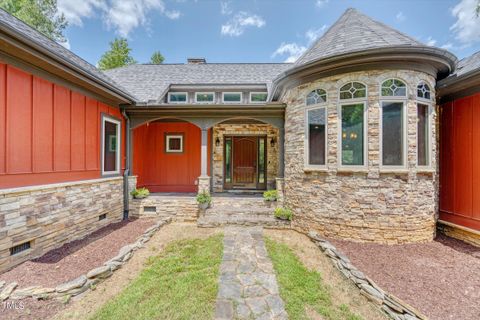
(174, 136)
(106, 118)
(307, 165)
(347, 101)
(365, 135)
(390, 98)
(232, 102)
(178, 102)
(430, 136)
(424, 100)
(204, 102)
(405, 136)
(257, 92)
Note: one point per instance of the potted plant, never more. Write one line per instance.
(140, 193)
(204, 199)
(270, 196)
(283, 213)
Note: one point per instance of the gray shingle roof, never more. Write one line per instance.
(467, 65)
(354, 32)
(150, 82)
(17, 26)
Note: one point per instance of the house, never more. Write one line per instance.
(348, 135)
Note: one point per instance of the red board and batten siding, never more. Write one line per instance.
(48, 133)
(460, 162)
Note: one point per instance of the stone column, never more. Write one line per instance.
(204, 179)
(281, 152)
(280, 191)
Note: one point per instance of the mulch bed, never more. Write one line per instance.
(440, 278)
(77, 257)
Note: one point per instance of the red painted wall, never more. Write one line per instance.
(166, 172)
(48, 133)
(460, 162)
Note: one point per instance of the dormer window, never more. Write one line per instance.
(177, 97)
(258, 97)
(204, 97)
(232, 97)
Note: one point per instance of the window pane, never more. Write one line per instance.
(258, 97)
(232, 97)
(423, 144)
(316, 96)
(392, 134)
(228, 160)
(174, 144)
(178, 97)
(110, 147)
(204, 97)
(316, 136)
(352, 135)
(353, 90)
(261, 160)
(394, 88)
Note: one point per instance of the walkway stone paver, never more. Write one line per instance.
(248, 286)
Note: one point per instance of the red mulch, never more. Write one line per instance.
(440, 278)
(77, 257)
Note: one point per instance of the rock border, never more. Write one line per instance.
(392, 306)
(85, 281)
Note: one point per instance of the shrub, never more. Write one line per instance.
(283, 213)
(270, 195)
(140, 193)
(204, 197)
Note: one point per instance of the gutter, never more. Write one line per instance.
(126, 173)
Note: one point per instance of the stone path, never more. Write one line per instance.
(248, 286)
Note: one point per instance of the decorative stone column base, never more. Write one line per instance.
(204, 184)
(132, 185)
(280, 191)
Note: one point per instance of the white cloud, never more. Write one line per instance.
(321, 3)
(225, 8)
(447, 46)
(430, 41)
(314, 34)
(467, 26)
(239, 22)
(121, 15)
(400, 16)
(292, 50)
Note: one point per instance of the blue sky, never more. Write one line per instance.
(253, 30)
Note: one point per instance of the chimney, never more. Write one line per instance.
(196, 60)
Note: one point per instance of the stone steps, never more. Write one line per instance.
(212, 221)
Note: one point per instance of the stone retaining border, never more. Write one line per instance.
(392, 306)
(84, 282)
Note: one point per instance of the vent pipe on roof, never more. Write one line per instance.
(196, 60)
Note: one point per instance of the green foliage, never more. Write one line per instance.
(157, 58)
(117, 56)
(301, 288)
(270, 195)
(41, 15)
(204, 197)
(140, 193)
(283, 213)
(180, 283)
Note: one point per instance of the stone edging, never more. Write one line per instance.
(86, 281)
(392, 306)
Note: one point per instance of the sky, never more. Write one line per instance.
(253, 30)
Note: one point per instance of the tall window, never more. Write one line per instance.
(110, 146)
(353, 134)
(393, 123)
(423, 125)
(316, 128)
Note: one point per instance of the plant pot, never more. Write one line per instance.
(268, 203)
(282, 218)
(203, 206)
(140, 197)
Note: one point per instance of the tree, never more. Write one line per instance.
(117, 56)
(41, 15)
(157, 58)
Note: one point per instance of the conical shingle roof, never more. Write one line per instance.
(354, 32)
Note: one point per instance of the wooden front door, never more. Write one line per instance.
(244, 162)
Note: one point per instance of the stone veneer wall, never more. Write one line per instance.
(220, 130)
(373, 205)
(51, 215)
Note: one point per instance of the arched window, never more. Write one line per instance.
(316, 96)
(353, 90)
(394, 88)
(423, 91)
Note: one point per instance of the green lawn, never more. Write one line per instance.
(301, 288)
(181, 283)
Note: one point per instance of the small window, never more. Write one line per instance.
(316, 137)
(204, 97)
(177, 97)
(174, 143)
(316, 96)
(423, 135)
(110, 146)
(423, 91)
(393, 134)
(20, 247)
(151, 209)
(394, 88)
(232, 97)
(353, 134)
(258, 97)
(102, 217)
(353, 90)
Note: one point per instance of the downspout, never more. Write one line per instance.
(126, 173)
